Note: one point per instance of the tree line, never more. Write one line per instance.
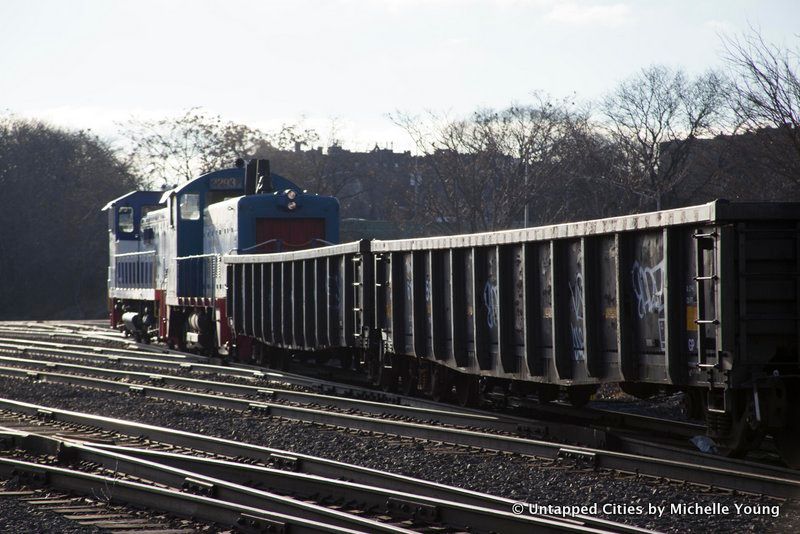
(661, 138)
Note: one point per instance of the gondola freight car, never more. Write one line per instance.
(704, 300)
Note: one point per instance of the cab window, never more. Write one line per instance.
(125, 218)
(190, 207)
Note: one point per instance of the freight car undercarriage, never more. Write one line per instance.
(749, 415)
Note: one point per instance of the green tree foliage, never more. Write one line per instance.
(53, 238)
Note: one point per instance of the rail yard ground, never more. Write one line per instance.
(539, 485)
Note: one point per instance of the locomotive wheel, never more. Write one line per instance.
(467, 390)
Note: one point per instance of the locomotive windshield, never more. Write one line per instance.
(126, 219)
(190, 206)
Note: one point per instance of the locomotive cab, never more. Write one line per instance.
(239, 210)
(131, 264)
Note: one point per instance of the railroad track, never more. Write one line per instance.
(97, 513)
(450, 427)
(426, 420)
(273, 490)
(187, 362)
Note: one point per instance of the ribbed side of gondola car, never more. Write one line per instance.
(673, 297)
(704, 299)
(308, 300)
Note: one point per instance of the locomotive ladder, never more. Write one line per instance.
(704, 242)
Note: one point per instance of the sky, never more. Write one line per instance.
(347, 64)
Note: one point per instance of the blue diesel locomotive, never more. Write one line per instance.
(165, 278)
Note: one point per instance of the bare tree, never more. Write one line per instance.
(655, 117)
(480, 173)
(766, 94)
(180, 148)
(324, 173)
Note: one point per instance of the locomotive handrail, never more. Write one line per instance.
(135, 254)
(197, 256)
(267, 242)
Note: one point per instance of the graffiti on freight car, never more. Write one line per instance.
(648, 286)
(576, 324)
(333, 291)
(428, 303)
(491, 301)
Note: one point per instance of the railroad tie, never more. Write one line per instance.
(93, 513)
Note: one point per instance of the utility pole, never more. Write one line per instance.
(527, 204)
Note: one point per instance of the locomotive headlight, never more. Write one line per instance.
(291, 194)
(291, 205)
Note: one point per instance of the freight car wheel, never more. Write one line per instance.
(383, 374)
(408, 373)
(467, 390)
(580, 395)
(546, 393)
(438, 384)
(694, 403)
(787, 439)
(744, 433)
(346, 360)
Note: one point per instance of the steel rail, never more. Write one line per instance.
(294, 461)
(557, 412)
(192, 482)
(237, 482)
(599, 428)
(593, 437)
(138, 360)
(197, 507)
(635, 448)
(164, 353)
(444, 415)
(106, 337)
(782, 483)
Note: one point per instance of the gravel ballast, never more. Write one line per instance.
(19, 516)
(633, 501)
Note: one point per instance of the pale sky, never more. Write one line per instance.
(90, 63)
